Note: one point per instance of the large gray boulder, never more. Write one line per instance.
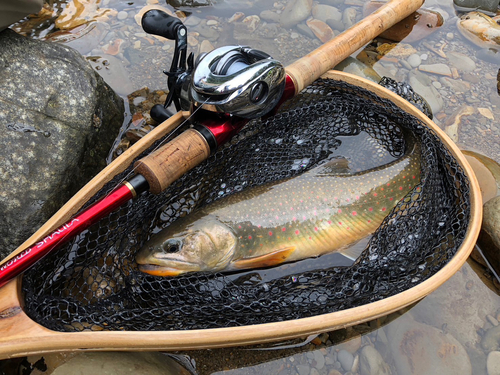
(58, 120)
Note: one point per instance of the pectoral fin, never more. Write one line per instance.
(267, 260)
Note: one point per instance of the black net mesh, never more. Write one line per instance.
(93, 283)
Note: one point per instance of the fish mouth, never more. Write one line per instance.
(177, 268)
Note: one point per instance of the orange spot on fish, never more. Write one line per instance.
(374, 194)
(370, 209)
(383, 208)
(400, 188)
(249, 237)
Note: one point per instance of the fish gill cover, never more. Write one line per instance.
(93, 283)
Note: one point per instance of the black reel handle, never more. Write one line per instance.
(159, 23)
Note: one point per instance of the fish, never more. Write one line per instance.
(480, 29)
(326, 209)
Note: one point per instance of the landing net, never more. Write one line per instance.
(93, 283)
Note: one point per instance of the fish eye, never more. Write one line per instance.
(171, 247)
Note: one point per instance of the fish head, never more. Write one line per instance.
(205, 245)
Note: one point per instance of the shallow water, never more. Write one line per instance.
(462, 313)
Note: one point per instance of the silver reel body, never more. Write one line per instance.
(237, 80)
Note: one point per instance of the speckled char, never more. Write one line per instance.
(318, 212)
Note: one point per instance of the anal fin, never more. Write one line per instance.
(267, 260)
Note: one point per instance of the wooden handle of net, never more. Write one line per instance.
(167, 164)
(307, 69)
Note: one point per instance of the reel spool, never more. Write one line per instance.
(233, 80)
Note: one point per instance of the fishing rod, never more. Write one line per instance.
(223, 90)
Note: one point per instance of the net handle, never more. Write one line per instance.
(309, 68)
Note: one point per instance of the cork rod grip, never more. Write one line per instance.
(310, 67)
(168, 163)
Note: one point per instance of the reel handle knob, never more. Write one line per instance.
(159, 23)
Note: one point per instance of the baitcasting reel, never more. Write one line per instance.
(234, 80)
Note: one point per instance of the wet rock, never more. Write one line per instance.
(421, 349)
(491, 339)
(208, 32)
(303, 369)
(489, 238)
(480, 29)
(118, 363)
(485, 177)
(294, 12)
(346, 359)
(457, 86)
(60, 120)
(422, 84)
(461, 62)
(270, 16)
(440, 69)
(251, 23)
(322, 31)
(446, 306)
(493, 363)
(416, 26)
(372, 363)
(305, 30)
(319, 358)
(414, 60)
(354, 66)
(349, 17)
(487, 5)
(112, 71)
(328, 14)
(351, 345)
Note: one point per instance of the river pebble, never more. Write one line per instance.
(421, 349)
(322, 31)
(461, 62)
(319, 358)
(349, 17)
(372, 363)
(457, 86)
(440, 69)
(422, 84)
(122, 15)
(491, 221)
(326, 13)
(493, 363)
(414, 60)
(270, 16)
(303, 369)
(294, 12)
(346, 359)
